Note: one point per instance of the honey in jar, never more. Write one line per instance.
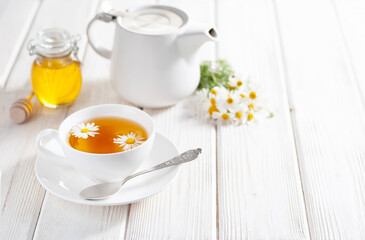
(56, 74)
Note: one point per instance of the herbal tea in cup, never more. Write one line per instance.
(107, 135)
(105, 142)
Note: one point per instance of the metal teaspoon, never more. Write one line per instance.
(105, 190)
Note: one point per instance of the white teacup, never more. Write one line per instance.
(102, 167)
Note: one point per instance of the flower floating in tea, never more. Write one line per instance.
(129, 141)
(225, 98)
(83, 130)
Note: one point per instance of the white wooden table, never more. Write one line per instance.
(297, 176)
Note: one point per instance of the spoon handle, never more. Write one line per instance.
(182, 158)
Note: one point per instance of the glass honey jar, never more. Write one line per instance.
(56, 73)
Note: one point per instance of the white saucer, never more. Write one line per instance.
(61, 179)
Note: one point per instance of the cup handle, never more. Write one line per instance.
(51, 133)
(97, 46)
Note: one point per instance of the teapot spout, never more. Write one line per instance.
(193, 38)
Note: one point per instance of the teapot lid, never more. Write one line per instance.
(154, 19)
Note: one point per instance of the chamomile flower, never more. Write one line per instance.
(129, 141)
(255, 116)
(218, 93)
(234, 82)
(239, 114)
(229, 101)
(83, 130)
(254, 96)
(223, 116)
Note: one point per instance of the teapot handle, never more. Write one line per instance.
(102, 51)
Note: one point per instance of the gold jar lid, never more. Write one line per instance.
(53, 42)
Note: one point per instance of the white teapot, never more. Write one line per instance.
(154, 57)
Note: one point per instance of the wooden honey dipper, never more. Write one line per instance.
(21, 109)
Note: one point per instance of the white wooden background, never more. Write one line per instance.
(297, 176)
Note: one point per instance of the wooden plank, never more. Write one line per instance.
(350, 15)
(259, 186)
(187, 209)
(61, 219)
(328, 119)
(16, 18)
(22, 195)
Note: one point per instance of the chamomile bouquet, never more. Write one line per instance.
(225, 98)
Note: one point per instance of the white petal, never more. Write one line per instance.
(74, 131)
(127, 147)
(131, 135)
(77, 134)
(216, 115)
(139, 142)
(123, 138)
(139, 138)
(91, 134)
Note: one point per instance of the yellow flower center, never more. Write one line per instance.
(85, 130)
(230, 100)
(250, 117)
(130, 141)
(212, 101)
(239, 83)
(231, 87)
(253, 95)
(238, 115)
(213, 91)
(242, 95)
(251, 106)
(225, 116)
(212, 109)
